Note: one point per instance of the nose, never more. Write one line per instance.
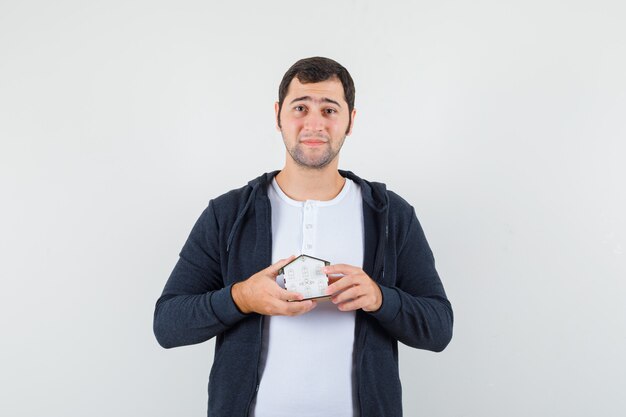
(314, 122)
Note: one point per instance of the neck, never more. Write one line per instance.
(301, 183)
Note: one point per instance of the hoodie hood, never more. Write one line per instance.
(374, 195)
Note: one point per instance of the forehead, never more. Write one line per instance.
(331, 88)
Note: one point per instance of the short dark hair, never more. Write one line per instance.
(314, 70)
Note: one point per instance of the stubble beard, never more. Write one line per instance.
(322, 158)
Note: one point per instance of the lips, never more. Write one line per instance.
(313, 142)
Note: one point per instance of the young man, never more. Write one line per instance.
(278, 357)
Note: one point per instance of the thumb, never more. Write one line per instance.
(273, 269)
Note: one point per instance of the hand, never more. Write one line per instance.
(261, 294)
(354, 290)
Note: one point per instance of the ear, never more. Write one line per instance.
(277, 115)
(351, 122)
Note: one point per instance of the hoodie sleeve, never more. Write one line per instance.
(195, 305)
(415, 309)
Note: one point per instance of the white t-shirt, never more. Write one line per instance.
(306, 363)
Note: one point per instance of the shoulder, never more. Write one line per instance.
(398, 206)
(400, 213)
(235, 201)
(378, 196)
(231, 201)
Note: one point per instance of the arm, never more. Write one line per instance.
(414, 308)
(195, 304)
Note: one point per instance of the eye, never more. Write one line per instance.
(299, 108)
(330, 111)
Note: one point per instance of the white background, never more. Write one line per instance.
(502, 122)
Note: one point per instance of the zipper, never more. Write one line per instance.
(261, 318)
(377, 265)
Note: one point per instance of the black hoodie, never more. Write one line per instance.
(232, 240)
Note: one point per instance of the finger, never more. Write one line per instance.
(341, 269)
(342, 284)
(285, 295)
(332, 280)
(350, 294)
(352, 304)
(301, 307)
(274, 268)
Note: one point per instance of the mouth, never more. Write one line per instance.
(313, 142)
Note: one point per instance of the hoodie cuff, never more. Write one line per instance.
(224, 306)
(390, 307)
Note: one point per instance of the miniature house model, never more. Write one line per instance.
(305, 275)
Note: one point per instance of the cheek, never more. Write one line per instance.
(339, 125)
(292, 124)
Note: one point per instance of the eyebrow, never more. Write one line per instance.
(308, 98)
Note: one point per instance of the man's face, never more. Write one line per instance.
(314, 122)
